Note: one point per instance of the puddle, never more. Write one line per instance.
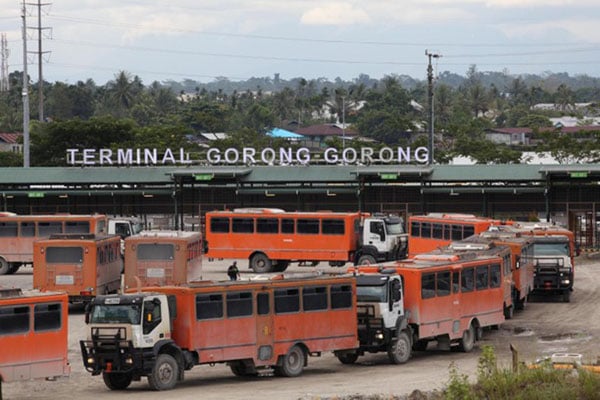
(565, 337)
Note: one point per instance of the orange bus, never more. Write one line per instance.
(83, 265)
(18, 232)
(272, 238)
(253, 326)
(449, 298)
(433, 230)
(33, 335)
(162, 258)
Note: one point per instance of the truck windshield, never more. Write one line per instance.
(394, 228)
(109, 314)
(376, 294)
(551, 249)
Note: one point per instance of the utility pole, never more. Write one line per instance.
(430, 101)
(25, 93)
(40, 54)
(4, 52)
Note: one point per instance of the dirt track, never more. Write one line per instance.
(544, 327)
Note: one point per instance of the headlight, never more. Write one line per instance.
(379, 335)
(91, 360)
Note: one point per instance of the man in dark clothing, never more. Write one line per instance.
(233, 272)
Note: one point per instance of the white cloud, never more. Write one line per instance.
(584, 30)
(336, 13)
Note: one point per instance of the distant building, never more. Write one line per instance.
(11, 142)
(317, 135)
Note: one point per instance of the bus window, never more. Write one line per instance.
(287, 226)
(428, 286)
(64, 255)
(482, 278)
(443, 283)
(309, 226)
(495, 276)
(262, 304)
(239, 304)
(48, 228)
(267, 225)
(314, 298)
(415, 229)
(455, 282)
(242, 225)
(46, 317)
(468, 230)
(8, 229)
(287, 300)
(437, 231)
(426, 229)
(456, 232)
(447, 232)
(77, 226)
(155, 251)
(332, 226)
(209, 306)
(467, 280)
(27, 229)
(14, 320)
(341, 296)
(219, 225)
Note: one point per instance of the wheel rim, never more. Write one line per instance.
(401, 348)
(165, 373)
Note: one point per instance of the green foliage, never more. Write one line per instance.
(534, 121)
(458, 387)
(10, 159)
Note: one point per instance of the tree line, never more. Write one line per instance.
(391, 111)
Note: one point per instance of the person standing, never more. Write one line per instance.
(233, 272)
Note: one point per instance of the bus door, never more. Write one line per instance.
(455, 298)
(264, 328)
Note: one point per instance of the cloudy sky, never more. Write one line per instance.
(202, 40)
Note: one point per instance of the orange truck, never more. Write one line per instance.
(33, 335)
(447, 299)
(18, 232)
(270, 325)
(83, 265)
(162, 258)
(272, 238)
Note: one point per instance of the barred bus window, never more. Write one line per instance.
(455, 282)
(468, 230)
(209, 306)
(262, 304)
(426, 230)
(267, 225)
(437, 231)
(341, 296)
(447, 231)
(219, 225)
(242, 225)
(239, 304)
(287, 300)
(314, 298)
(14, 320)
(457, 232)
(155, 251)
(48, 228)
(332, 226)
(308, 226)
(287, 226)
(47, 317)
(467, 279)
(428, 286)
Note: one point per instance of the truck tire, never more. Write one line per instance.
(347, 358)
(164, 374)
(293, 363)
(509, 312)
(239, 368)
(14, 267)
(260, 263)
(399, 349)
(566, 296)
(116, 380)
(467, 342)
(366, 259)
(4, 266)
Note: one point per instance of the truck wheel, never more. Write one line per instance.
(566, 296)
(399, 349)
(366, 259)
(347, 358)
(164, 374)
(117, 380)
(4, 266)
(293, 363)
(509, 312)
(260, 263)
(467, 342)
(239, 368)
(281, 266)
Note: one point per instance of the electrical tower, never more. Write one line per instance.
(4, 52)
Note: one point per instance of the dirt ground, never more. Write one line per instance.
(546, 326)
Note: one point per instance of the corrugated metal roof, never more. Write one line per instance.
(505, 172)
